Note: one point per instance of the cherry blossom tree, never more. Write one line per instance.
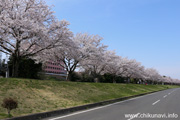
(152, 75)
(28, 27)
(116, 66)
(81, 48)
(96, 63)
(135, 70)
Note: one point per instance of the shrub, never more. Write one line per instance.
(9, 104)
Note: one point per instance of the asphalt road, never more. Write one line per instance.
(158, 105)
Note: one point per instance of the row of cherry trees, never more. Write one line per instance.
(28, 28)
(87, 53)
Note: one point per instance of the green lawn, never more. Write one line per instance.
(45, 95)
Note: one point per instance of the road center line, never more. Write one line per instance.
(165, 96)
(173, 91)
(156, 102)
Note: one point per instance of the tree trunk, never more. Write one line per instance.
(9, 112)
(15, 70)
(96, 80)
(114, 80)
(69, 74)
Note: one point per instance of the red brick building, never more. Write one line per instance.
(54, 68)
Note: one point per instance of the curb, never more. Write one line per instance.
(39, 116)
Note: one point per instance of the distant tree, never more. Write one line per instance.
(117, 66)
(96, 63)
(75, 77)
(86, 77)
(152, 75)
(28, 68)
(135, 71)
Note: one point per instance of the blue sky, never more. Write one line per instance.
(145, 30)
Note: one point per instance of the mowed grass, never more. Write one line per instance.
(36, 96)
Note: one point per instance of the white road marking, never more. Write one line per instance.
(156, 102)
(165, 96)
(135, 116)
(76, 113)
(169, 93)
(173, 91)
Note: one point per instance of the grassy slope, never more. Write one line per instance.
(42, 95)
